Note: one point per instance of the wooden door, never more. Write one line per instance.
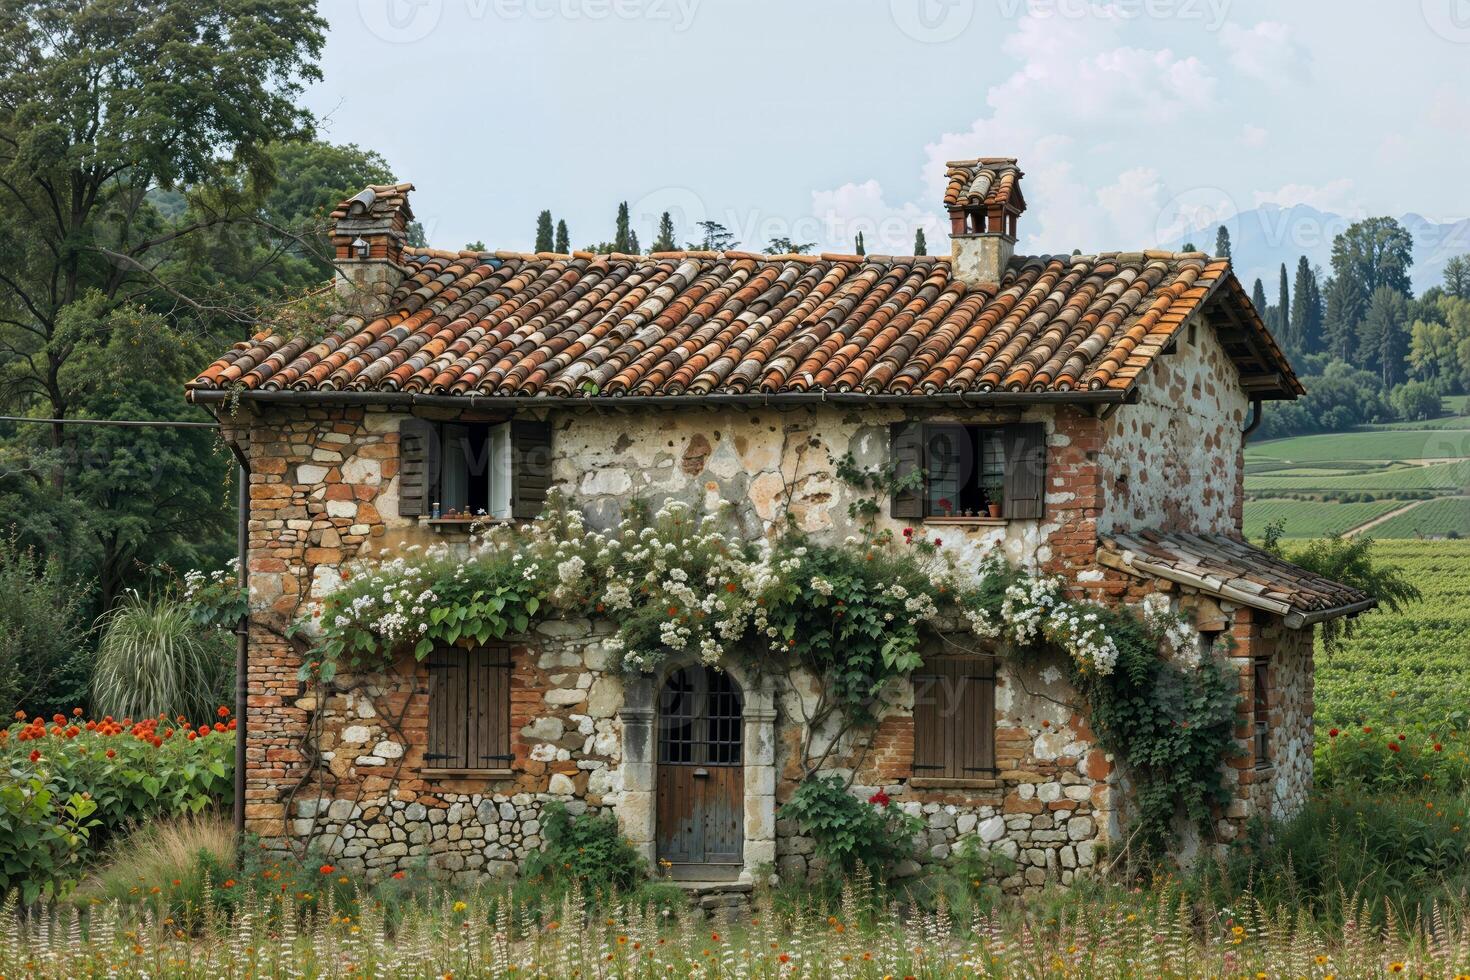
(701, 784)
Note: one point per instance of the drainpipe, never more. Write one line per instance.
(1254, 422)
(242, 633)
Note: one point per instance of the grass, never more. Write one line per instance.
(1433, 518)
(1451, 476)
(182, 856)
(1419, 442)
(1413, 667)
(1310, 518)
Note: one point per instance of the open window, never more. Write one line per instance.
(473, 469)
(469, 710)
(957, 470)
(954, 718)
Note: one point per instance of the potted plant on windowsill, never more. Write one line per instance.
(994, 497)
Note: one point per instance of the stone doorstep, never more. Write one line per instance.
(717, 894)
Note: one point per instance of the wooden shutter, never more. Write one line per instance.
(906, 450)
(954, 718)
(530, 443)
(469, 709)
(418, 466)
(1025, 483)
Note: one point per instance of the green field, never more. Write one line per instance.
(1420, 442)
(1443, 477)
(1412, 667)
(1312, 519)
(1433, 518)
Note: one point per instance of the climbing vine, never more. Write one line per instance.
(852, 613)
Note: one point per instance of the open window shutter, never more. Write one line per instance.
(530, 467)
(1025, 460)
(448, 697)
(418, 466)
(906, 449)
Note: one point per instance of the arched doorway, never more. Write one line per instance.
(701, 770)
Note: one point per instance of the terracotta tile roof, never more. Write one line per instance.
(991, 181)
(1233, 569)
(692, 323)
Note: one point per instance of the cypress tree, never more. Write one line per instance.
(1340, 321)
(664, 242)
(1222, 242)
(1282, 326)
(1303, 323)
(544, 241)
(623, 236)
(633, 248)
(1258, 298)
(921, 247)
(859, 246)
(563, 240)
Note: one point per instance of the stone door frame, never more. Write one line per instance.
(637, 812)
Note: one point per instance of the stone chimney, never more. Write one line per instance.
(984, 200)
(369, 232)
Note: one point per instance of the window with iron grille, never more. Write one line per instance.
(469, 709)
(1261, 711)
(954, 718)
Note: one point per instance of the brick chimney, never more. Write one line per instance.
(369, 232)
(984, 200)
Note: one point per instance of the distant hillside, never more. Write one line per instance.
(1265, 237)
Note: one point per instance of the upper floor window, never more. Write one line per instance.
(473, 469)
(969, 470)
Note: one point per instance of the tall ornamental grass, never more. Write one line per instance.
(154, 658)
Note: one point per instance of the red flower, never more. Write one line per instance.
(223, 712)
(1438, 747)
(58, 718)
(76, 712)
(398, 875)
(203, 729)
(326, 869)
(1393, 746)
(1402, 737)
(879, 798)
(229, 882)
(1332, 733)
(36, 755)
(1367, 730)
(112, 753)
(193, 736)
(908, 532)
(219, 726)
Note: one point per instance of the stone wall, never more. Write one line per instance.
(1174, 461)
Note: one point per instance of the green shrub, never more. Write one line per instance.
(126, 774)
(42, 649)
(847, 831)
(155, 658)
(585, 854)
(1377, 760)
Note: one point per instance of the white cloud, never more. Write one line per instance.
(1253, 136)
(1065, 101)
(887, 229)
(1267, 51)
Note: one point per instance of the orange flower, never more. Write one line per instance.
(398, 875)
(193, 736)
(36, 755)
(327, 869)
(20, 716)
(112, 753)
(223, 712)
(229, 882)
(76, 712)
(203, 729)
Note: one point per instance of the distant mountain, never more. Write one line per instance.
(1262, 238)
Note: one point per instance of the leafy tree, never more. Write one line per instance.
(785, 246)
(1258, 298)
(1190, 247)
(1457, 277)
(1222, 242)
(1415, 401)
(544, 240)
(623, 236)
(664, 240)
(1383, 339)
(921, 247)
(1373, 253)
(1339, 398)
(717, 238)
(1351, 562)
(1434, 352)
(102, 105)
(563, 240)
(1345, 309)
(858, 246)
(475, 246)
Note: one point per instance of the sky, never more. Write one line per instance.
(1134, 121)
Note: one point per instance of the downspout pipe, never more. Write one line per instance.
(1255, 421)
(242, 633)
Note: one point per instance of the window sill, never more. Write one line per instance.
(444, 525)
(427, 773)
(969, 521)
(939, 782)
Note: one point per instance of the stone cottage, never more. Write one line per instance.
(1083, 414)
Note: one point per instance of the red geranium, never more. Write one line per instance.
(36, 755)
(879, 798)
